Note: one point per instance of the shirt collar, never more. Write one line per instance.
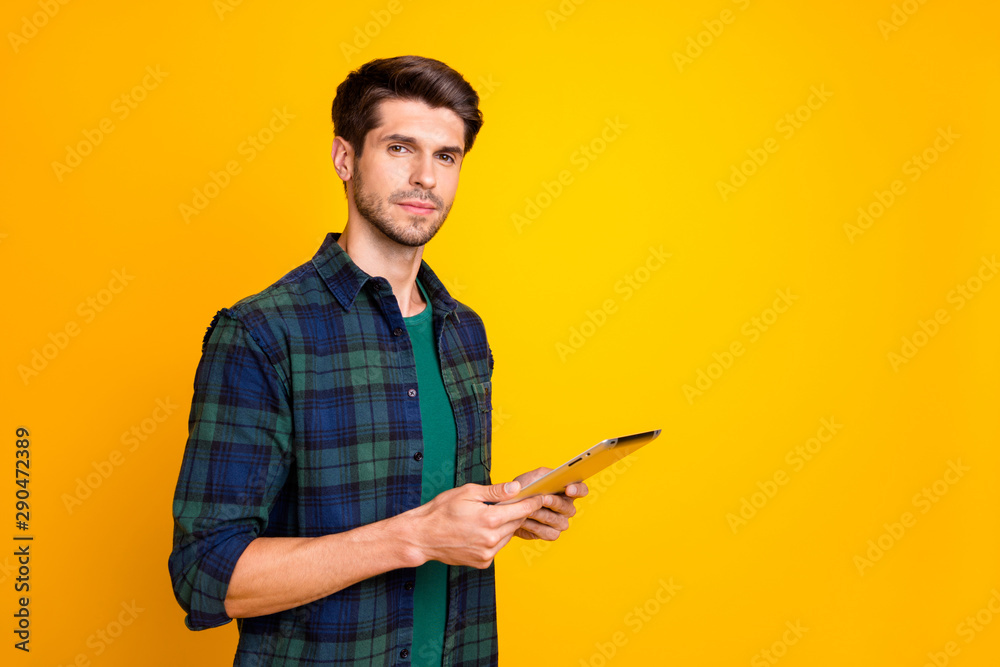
(345, 278)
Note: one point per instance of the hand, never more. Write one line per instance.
(548, 522)
(457, 527)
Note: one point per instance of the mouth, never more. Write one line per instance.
(417, 207)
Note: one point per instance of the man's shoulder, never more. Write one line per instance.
(300, 285)
(266, 314)
(465, 313)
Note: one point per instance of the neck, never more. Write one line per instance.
(378, 255)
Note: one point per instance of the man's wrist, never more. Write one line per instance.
(406, 530)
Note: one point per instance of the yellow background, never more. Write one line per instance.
(552, 77)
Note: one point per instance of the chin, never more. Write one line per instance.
(411, 240)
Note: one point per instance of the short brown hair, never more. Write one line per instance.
(356, 105)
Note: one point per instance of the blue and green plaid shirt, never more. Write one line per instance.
(305, 421)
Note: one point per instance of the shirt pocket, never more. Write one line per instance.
(484, 413)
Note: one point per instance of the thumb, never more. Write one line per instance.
(497, 492)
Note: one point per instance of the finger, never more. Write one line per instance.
(530, 476)
(560, 504)
(514, 524)
(525, 535)
(547, 527)
(577, 490)
(550, 518)
(495, 492)
(518, 511)
(540, 530)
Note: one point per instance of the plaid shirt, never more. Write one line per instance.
(305, 421)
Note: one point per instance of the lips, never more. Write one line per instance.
(417, 203)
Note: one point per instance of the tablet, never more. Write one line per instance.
(584, 465)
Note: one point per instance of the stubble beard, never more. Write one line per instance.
(419, 231)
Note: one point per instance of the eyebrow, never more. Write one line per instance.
(412, 140)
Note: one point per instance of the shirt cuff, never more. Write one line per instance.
(202, 588)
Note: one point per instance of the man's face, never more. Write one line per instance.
(405, 181)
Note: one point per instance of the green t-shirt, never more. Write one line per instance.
(430, 592)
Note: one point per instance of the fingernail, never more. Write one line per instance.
(510, 487)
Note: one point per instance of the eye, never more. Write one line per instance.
(448, 158)
(392, 146)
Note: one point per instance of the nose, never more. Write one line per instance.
(423, 172)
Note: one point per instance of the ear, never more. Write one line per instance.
(343, 158)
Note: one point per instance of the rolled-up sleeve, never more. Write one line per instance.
(235, 463)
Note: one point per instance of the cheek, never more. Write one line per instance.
(395, 173)
(384, 176)
(450, 186)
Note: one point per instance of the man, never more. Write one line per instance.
(335, 495)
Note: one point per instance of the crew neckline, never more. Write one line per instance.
(423, 314)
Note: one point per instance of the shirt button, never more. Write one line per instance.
(404, 654)
(397, 331)
(411, 392)
(419, 456)
(408, 586)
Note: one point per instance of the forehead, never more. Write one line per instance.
(413, 118)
